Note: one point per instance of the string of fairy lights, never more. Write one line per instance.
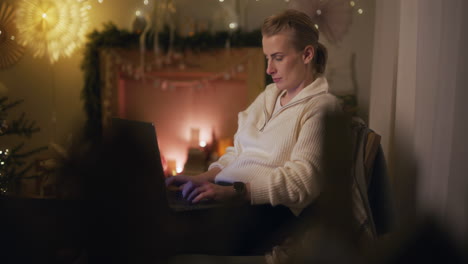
(139, 72)
(58, 28)
(134, 71)
(3, 157)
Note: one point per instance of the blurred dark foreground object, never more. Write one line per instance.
(92, 217)
(423, 241)
(41, 230)
(102, 223)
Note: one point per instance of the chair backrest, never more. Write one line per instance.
(371, 148)
(371, 192)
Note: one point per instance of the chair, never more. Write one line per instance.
(372, 183)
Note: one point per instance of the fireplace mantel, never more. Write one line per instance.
(204, 90)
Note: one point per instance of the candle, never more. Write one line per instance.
(202, 144)
(171, 167)
(194, 137)
(223, 144)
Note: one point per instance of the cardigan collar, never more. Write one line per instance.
(318, 86)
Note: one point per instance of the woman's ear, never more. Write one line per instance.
(308, 54)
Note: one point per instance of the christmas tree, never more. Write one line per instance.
(14, 163)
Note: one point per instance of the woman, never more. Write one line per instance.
(275, 165)
(277, 150)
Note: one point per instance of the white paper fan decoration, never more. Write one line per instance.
(332, 17)
(10, 50)
(53, 28)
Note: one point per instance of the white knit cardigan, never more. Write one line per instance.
(280, 154)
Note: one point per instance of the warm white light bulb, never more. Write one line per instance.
(232, 25)
(138, 13)
(146, 2)
(360, 11)
(100, 1)
(316, 26)
(202, 144)
(352, 3)
(44, 15)
(221, 1)
(0, 34)
(179, 169)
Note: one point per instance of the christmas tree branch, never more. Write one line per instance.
(22, 127)
(4, 105)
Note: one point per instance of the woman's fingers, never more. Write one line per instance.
(208, 194)
(195, 192)
(181, 187)
(192, 189)
(176, 180)
(188, 189)
(205, 191)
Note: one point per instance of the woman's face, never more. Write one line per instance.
(287, 66)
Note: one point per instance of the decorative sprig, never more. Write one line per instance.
(5, 105)
(13, 164)
(20, 126)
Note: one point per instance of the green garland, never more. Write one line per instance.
(91, 94)
(112, 37)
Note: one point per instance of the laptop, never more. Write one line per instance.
(143, 136)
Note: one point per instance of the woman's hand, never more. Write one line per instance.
(207, 176)
(181, 180)
(207, 191)
(197, 188)
(201, 187)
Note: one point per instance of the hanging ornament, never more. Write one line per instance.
(3, 126)
(198, 85)
(10, 50)
(331, 17)
(139, 23)
(172, 87)
(182, 66)
(52, 28)
(156, 83)
(164, 86)
(163, 14)
(148, 68)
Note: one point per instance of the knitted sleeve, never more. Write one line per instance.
(298, 182)
(233, 151)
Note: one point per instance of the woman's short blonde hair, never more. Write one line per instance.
(304, 33)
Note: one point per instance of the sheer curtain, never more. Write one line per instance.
(418, 104)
